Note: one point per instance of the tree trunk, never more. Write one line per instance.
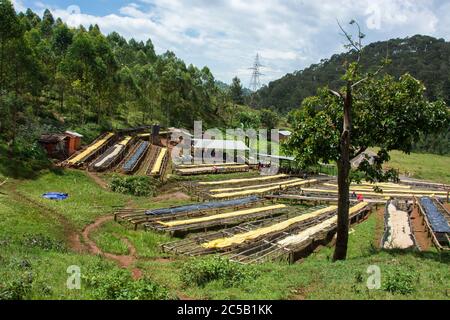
(1, 66)
(343, 164)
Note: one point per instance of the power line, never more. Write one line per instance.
(255, 82)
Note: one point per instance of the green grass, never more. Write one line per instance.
(86, 201)
(109, 236)
(316, 277)
(45, 267)
(422, 166)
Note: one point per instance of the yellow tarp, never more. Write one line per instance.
(222, 215)
(393, 193)
(306, 234)
(256, 186)
(234, 181)
(157, 166)
(262, 190)
(242, 237)
(92, 148)
(125, 141)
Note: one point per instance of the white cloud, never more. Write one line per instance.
(18, 5)
(289, 34)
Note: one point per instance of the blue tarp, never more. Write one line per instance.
(135, 157)
(437, 220)
(55, 196)
(203, 206)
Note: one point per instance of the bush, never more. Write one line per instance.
(43, 242)
(118, 285)
(134, 185)
(398, 281)
(17, 289)
(200, 272)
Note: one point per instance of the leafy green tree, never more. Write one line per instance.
(47, 23)
(370, 111)
(268, 118)
(237, 93)
(9, 29)
(248, 120)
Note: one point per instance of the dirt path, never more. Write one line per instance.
(419, 228)
(379, 227)
(124, 261)
(72, 236)
(94, 176)
(172, 196)
(447, 205)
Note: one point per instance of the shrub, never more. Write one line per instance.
(16, 289)
(200, 272)
(118, 285)
(398, 281)
(43, 242)
(134, 185)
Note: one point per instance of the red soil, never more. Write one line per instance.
(124, 261)
(419, 229)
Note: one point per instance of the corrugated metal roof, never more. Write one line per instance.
(286, 133)
(263, 155)
(73, 133)
(52, 138)
(219, 144)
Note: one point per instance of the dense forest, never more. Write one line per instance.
(54, 78)
(424, 57)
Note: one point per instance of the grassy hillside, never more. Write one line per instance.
(36, 253)
(421, 166)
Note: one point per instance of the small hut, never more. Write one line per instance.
(61, 145)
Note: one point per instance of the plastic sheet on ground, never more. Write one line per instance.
(436, 219)
(55, 196)
(203, 206)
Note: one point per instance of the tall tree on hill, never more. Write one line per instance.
(269, 119)
(9, 29)
(237, 93)
(369, 111)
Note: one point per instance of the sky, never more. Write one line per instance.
(226, 35)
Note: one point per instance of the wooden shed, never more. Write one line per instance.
(61, 145)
